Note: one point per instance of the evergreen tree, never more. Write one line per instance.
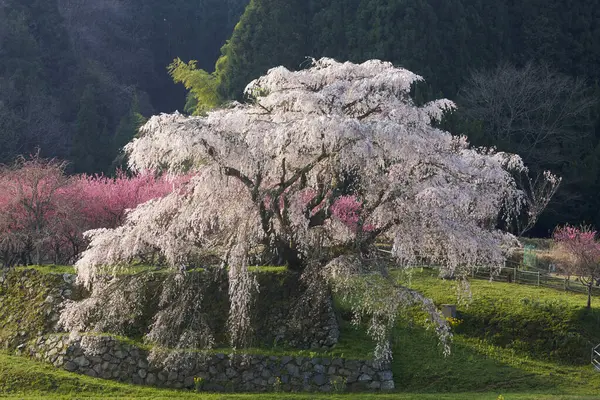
(91, 142)
(127, 129)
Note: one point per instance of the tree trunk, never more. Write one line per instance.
(589, 300)
(289, 257)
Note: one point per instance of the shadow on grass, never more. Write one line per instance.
(419, 366)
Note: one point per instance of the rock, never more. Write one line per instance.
(81, 361)
(285, 360)
(91, 372)
(352, 365)
(70, 366)
(325, 388)
(292, 369)
(247, 376)
(142, 364)
(142, 373)
(364, 378)
(189, 382)
(231, 373)
(365, 369)
(95, 359)
(320, 379)
(319, 368)
(385, 375)
(387, 385)
(374, 385)
(172, 376)
(151, 379)
(120, 354)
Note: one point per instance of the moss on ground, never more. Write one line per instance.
(25, 305)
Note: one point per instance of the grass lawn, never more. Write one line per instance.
(476, 369)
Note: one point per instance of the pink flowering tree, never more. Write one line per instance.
(104, 201)
(578, 252)
(30, 193)
(44, 213)
(272, 179)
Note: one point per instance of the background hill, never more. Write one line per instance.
(77, 75)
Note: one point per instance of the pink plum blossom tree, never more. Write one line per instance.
(104, 200)
(44, 212)
(272, 184)
(578, 251)
(29, 192)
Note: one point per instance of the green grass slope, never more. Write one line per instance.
(495, 352)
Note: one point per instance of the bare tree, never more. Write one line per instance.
(532, 111)
(544, 116)
(537, 193)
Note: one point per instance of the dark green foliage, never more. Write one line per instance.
(76, 76)
(34, 67)
(270, 33)
(91, 141)
(126, 130)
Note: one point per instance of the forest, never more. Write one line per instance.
(79, 77)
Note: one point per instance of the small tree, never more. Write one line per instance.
(43, 212)
(579, 254)
(273, 184)
(29, 192)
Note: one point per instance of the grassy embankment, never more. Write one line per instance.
(498, 349)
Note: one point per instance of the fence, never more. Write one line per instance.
(525, 272)
(532, 277)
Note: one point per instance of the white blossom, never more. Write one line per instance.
(331, 129)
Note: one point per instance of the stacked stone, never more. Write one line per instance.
(112, 359)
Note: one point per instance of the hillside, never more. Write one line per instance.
(71, 71)
(480, 365)
(445, 42)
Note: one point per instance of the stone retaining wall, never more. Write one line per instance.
(106, 357)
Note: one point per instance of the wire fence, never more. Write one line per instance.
(527, 272)
(533, 277)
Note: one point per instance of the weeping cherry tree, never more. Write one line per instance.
(271, 173)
